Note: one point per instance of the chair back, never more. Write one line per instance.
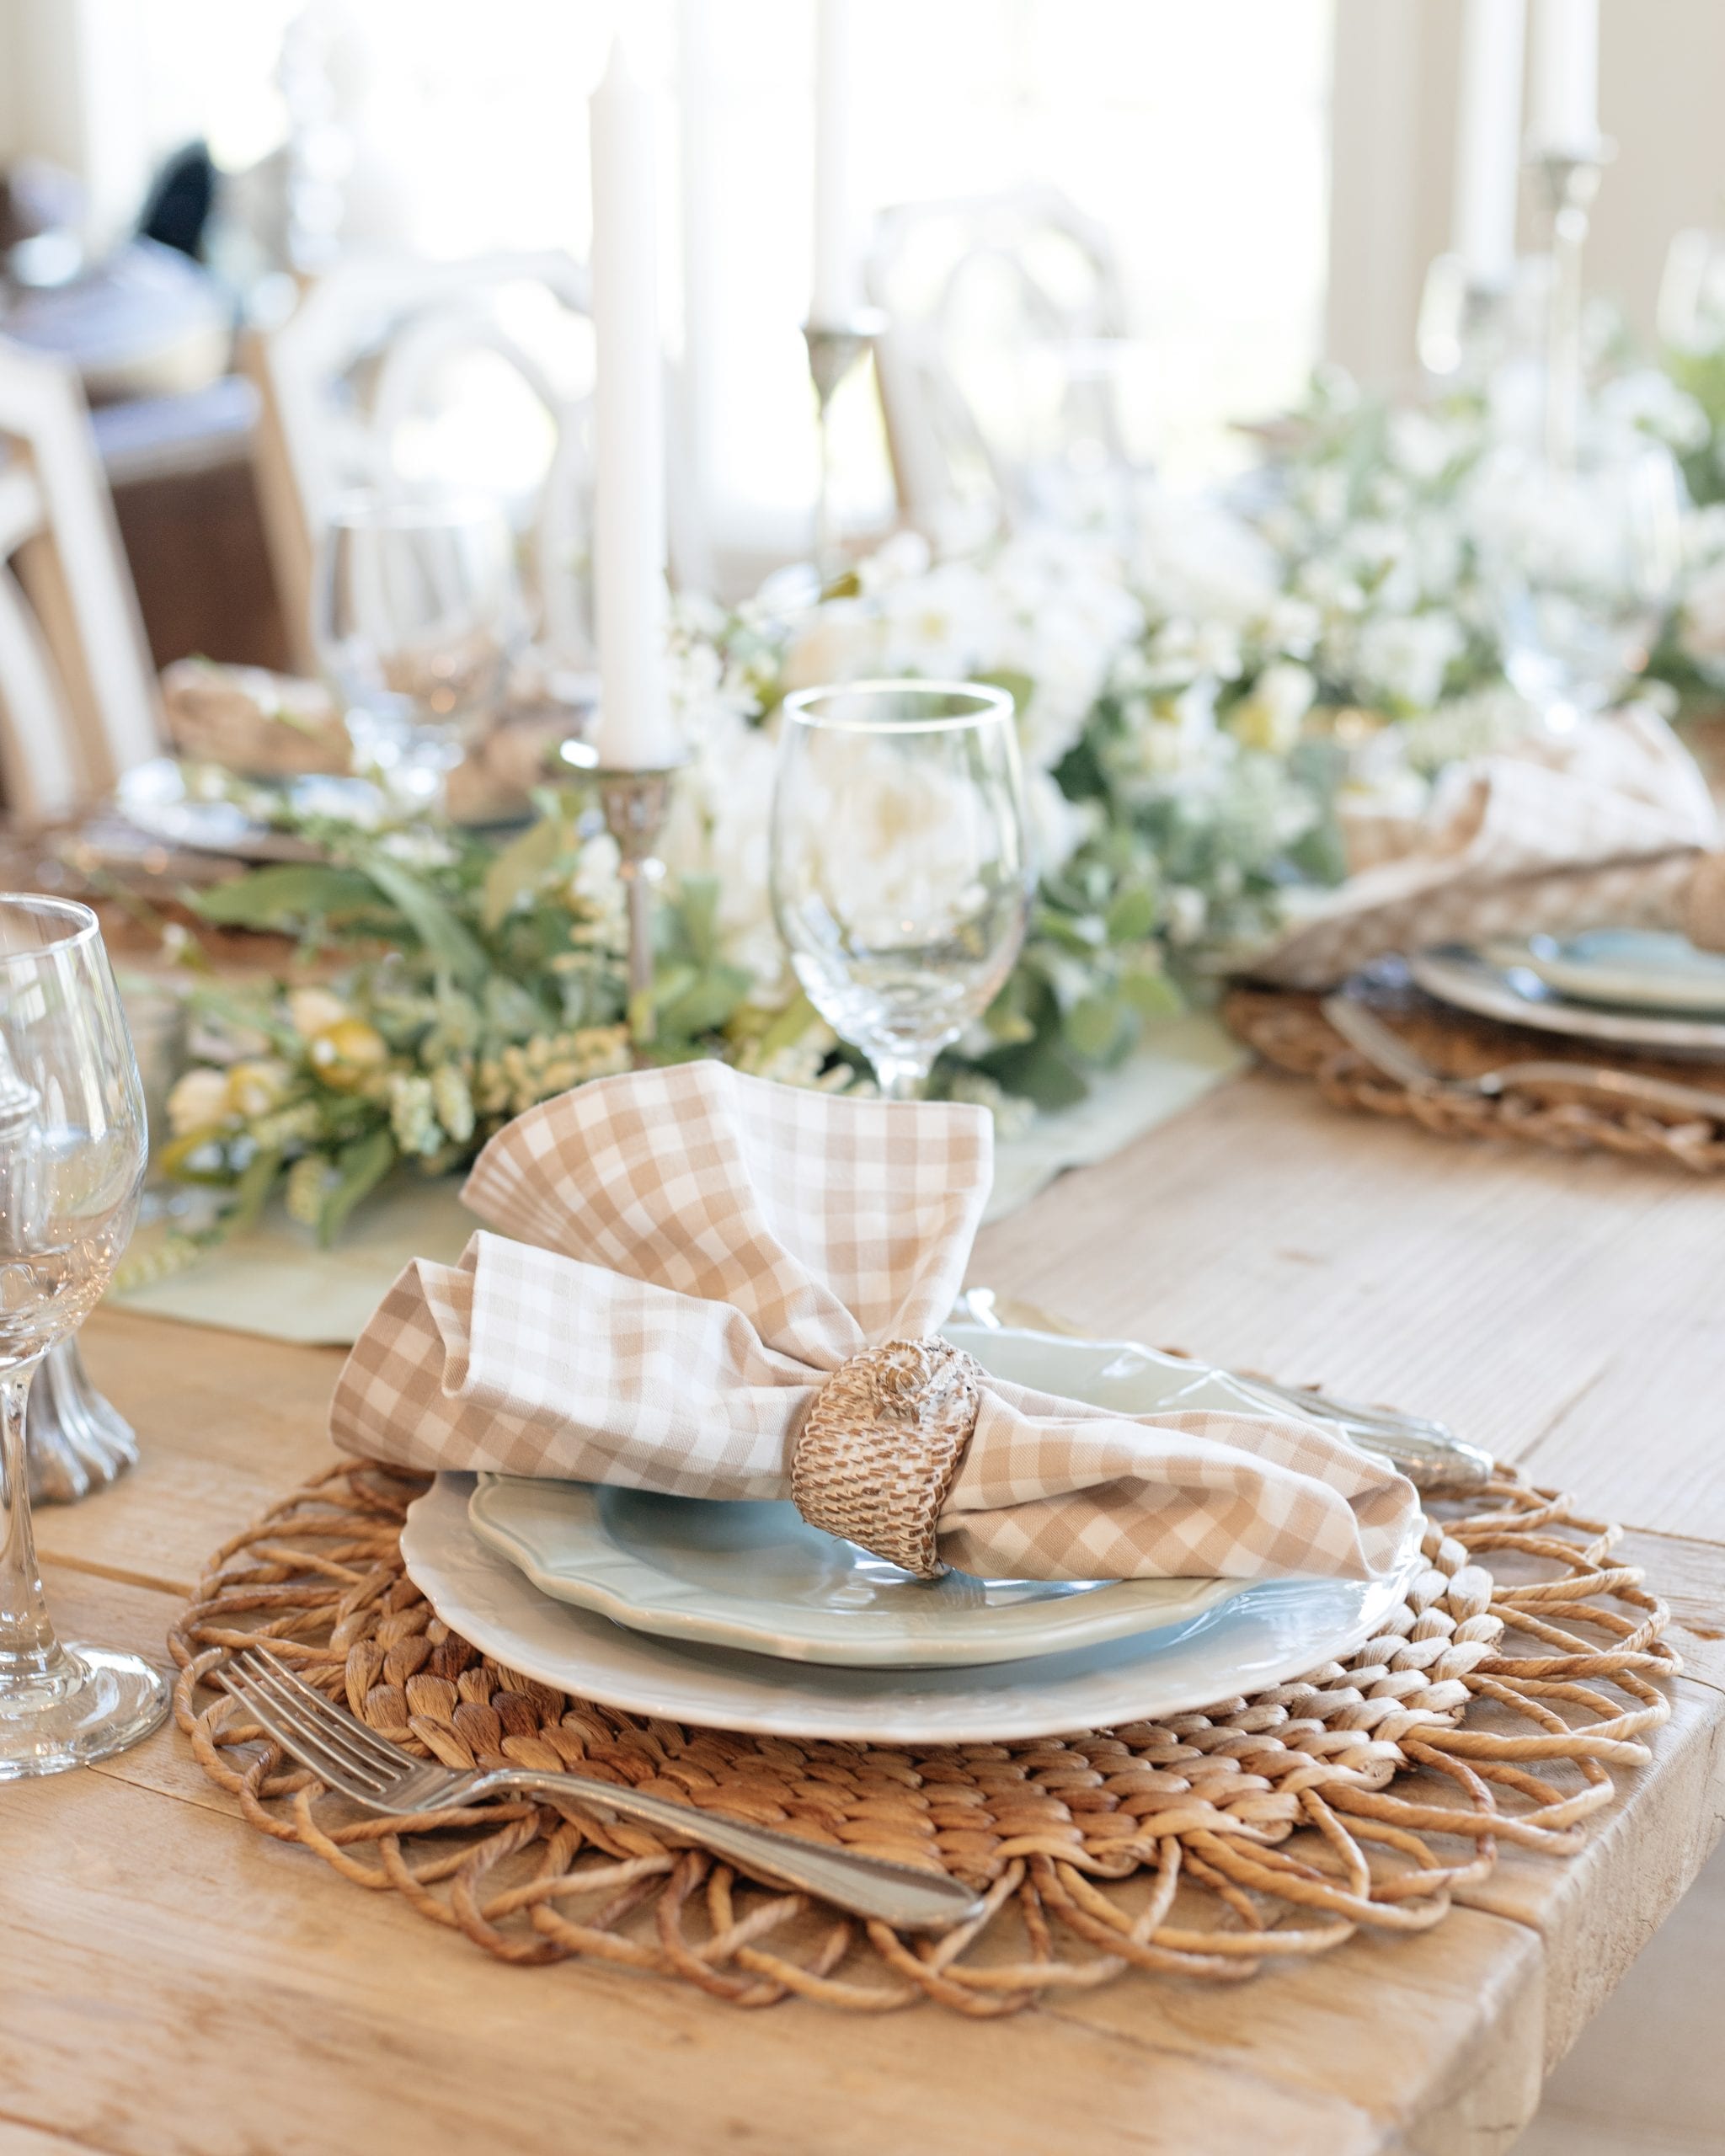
(394, 369)
(976, 290)
(78, 703)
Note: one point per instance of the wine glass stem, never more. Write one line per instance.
(29, 1650)
(902, 1077)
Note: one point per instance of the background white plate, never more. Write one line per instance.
(1520, 998)
(1635, 968)
(1266, 1636)
(757, 1577)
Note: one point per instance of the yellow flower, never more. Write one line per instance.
(314, 1011)
(346, 1055)
(254, 1086)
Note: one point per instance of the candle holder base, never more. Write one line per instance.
(635, 804)
(836, 348)
(1572, 178)
(75, 1441)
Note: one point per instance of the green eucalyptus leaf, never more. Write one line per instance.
(360, 1167)
(519, 869)
(1093, 1026)
(705, 1004)
(288, 894)
(1132, 916)
(1152, 993)
(1039, 1073)
(437, 928)
(256, 1180)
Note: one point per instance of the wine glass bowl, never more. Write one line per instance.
(1578, 565)
(417, 612)
(73, 1151)
(899, 878)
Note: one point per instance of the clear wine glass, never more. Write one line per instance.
(899, 878)
(1577, 566)
(73, 1148)
(417, 611)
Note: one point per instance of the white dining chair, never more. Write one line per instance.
(355, 381)
(78, 704)
(972, 287)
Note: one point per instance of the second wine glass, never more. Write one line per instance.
(900, 883)
(418, 611)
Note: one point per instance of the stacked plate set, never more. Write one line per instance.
(739, 1615)
(1625, 988)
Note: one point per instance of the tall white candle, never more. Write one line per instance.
(837, 291)
(1488, 140)
(1565, 104)
(636, 731)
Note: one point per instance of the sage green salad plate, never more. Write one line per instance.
(756, 1575)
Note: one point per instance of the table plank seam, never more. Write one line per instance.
(51, 2133)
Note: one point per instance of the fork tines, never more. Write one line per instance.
(342, 1752)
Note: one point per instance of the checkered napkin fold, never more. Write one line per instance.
(711, 1285)
(1610, 824)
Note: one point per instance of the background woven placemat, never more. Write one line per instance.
(1203, 1845)
(1289, 1029)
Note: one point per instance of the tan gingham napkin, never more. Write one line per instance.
(683, 1256)
(1610, 826)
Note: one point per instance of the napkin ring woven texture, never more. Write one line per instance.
(881, 1444)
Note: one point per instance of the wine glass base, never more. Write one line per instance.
(112, 1701)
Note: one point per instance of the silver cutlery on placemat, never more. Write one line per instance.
(1429, 1454)
(370, 1771)
(1382, 1045)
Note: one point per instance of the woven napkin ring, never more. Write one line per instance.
(880, 1447)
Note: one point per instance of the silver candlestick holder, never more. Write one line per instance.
(836, 348)
(75, 1441)
(1571, 183)
(635, 803)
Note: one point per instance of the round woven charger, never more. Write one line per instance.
(1289, 1029)
(1203, 1845)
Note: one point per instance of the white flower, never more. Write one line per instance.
(314, 1011)
(1403, 657)
(199, 1100)
(838, 642)
(1270, 717)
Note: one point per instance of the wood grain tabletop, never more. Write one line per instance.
(172, 1981)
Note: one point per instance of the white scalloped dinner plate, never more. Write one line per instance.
(1265, 1635)
(1249, 1636)
(758, 1576)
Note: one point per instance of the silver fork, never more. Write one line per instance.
(370, 1771)
(1383, 1046)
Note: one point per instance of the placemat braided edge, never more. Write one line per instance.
(1287, 1028)
(1202, 1845)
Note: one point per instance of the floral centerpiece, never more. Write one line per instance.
(1219, 706)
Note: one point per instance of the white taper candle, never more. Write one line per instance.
(837, 292)
(636, 731)
(1566, 102)
(1488, 140)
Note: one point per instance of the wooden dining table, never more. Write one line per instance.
(172, 1980)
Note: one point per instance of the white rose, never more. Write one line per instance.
(838, 642)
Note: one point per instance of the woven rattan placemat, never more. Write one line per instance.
(1520, 1671)
(1289, 1029)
